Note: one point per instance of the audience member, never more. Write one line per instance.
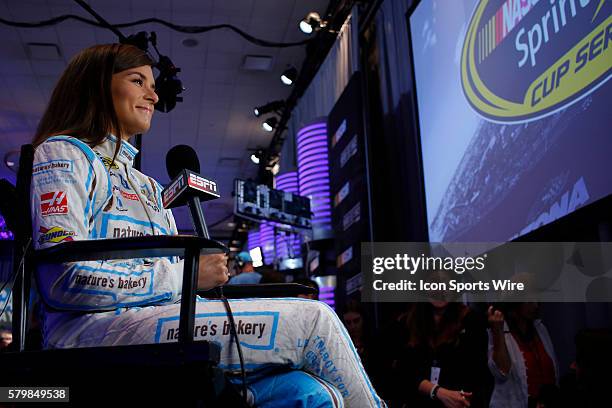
(521, 355)
(270, 275)
(310, 283)
(587, 387)
(6, 338)
(355, 321)
(246, 273)
(434, 355)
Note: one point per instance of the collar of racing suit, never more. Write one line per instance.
(126, 154)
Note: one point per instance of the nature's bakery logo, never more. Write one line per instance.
(525, 59)
(55, 235)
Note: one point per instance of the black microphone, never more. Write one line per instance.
(187, 186)
(181, 157)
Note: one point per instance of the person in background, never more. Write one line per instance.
(434, 355)
(521, 355)
(587, 385)
(269, 274)
(311, 283)
(6, 338)
(355, 321)
(246, 273)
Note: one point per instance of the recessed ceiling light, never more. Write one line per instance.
(257, 63)
(190, 42)
(43, 51)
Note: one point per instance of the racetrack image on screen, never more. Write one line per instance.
(514, 112)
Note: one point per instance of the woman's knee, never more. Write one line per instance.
(296, 389)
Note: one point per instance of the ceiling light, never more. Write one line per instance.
(274, 106)
(257, 156)
(312, 22)
(269, 124)
(305, 27)
(11, 160)
(289, 76)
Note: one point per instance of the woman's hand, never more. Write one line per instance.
(212, 271)
(496, 320)
(453, 399)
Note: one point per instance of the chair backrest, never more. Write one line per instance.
(8, 209)
(24, 182)
(19, 220)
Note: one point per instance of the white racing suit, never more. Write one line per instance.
(79, 193)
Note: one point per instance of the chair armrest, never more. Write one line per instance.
(261, 290)
(143, 247)
(126, 248)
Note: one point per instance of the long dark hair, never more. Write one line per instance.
(422, 330)
(82, 104)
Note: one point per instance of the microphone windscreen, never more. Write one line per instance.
(181, 157)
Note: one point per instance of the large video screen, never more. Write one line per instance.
(515, 112)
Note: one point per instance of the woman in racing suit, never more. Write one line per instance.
(84, 186)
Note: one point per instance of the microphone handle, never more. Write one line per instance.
(197, 216)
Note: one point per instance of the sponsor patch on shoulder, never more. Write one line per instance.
(53, 203)
(54, 234)
(46, 180)
(108, 162)
(52, 165)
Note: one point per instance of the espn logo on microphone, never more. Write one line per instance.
(171, 192)
(200, 183)
(187, 184)
(53, 203)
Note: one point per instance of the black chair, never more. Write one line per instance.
(169, 369)
(109, 373)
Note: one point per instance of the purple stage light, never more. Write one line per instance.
(288, 244)
(266, 237)
(313, 174)
(253, 240)
(4, 231)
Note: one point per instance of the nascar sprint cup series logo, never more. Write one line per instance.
(525, 59)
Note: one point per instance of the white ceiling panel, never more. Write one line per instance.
(46, 68)
(15, 67)
(203, 7)
(221, 76)
(222, 59)
(241, 8)
(188, 128)
(29, 11)
(227, 42)
(78, 35)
